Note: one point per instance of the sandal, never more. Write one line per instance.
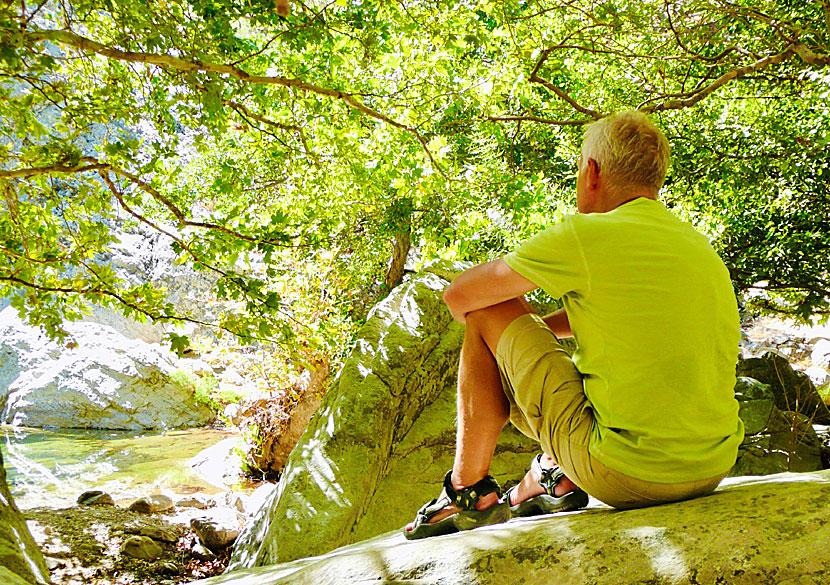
(549, 502)
(467, 517)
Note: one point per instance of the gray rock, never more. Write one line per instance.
(165, 568)
(141, 547)
(774, 441)
(152, 504)
(231, 500)
(105, 381)
(95, 498)
(793, 390)
(383, 438)
(161, 532)
(198, 501)
(755, 531)
(199, 551)
(20, 559)
(217, 531)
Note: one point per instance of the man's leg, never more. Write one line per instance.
(483, 408)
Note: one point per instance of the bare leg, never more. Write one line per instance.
(530, 486)
(483, 409)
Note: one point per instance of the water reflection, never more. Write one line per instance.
(51, 467)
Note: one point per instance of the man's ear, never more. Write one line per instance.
(593, 174)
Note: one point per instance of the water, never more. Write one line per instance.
(52, 467)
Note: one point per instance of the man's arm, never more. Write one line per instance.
(558, 323)
(483, 286)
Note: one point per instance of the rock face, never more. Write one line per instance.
(107, 381)
(386, 422)
(141, 256)
(774, 440)
(757, 531)
(19, 555)
(793, 391)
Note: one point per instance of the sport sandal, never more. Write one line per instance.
(467, 516)
(549, 502)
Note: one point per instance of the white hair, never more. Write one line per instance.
(628, 148)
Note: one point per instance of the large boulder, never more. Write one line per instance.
(793, 390)
(99, 380)
(383, 438)
(774, 440)
(20, 558)
(754, 531)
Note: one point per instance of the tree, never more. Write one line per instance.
(339, 137)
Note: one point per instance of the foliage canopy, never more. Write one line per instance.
(300, 159)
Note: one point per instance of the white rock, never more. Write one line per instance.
(818, 376)
(821, 353)
(106, 381)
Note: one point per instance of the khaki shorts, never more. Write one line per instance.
(548, 404)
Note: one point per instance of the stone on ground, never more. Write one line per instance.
(141, 547)
(152, 504)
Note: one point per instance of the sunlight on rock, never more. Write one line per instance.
(667, 560)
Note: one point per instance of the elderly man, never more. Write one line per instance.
(644, 412)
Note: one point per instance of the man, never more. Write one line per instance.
(645, 412)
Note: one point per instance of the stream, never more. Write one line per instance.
(52, 467)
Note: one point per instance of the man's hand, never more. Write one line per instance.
(483, 286)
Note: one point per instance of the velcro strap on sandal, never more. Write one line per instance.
(467, 498)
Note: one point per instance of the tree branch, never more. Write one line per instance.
(721, 81)
(534, 77)
(537, 119)
(81, 43)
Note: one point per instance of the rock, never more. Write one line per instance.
(95, 498)
(754, 531)
(162, 532)
(383, 438)
(152, 504)
(198, 501)
(142, 255)
(219, 464)
(9, 578)
(165, 568)
(217, 532)
(20, 559)
(793, 390)
(774, 441)
(821, 353)
(230, 500)
(107, 381)
(141, 547)
(818, 376)
(260, 496)
(199, 551)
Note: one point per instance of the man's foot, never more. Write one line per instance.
(545, 489)
(460, 509)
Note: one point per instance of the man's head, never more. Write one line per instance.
(625, 156)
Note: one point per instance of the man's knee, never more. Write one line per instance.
(490, 322)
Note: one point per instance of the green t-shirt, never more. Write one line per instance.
(656, 324)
